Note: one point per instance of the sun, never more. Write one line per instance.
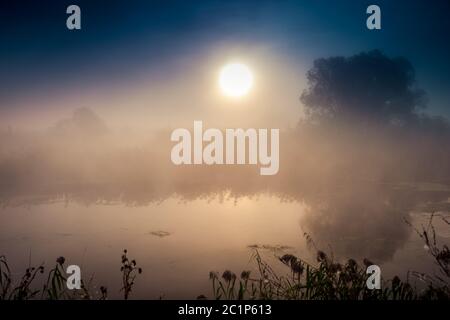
(235, 80)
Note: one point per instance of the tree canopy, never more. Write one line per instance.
(369, 87)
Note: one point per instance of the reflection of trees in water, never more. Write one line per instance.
(359, 160)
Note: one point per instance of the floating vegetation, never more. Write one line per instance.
(160, 233)
(270, 247)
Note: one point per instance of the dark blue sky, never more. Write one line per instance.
(38, 54)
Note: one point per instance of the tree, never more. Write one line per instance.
(365, 88)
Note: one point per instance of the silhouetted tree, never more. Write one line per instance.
(365, 88)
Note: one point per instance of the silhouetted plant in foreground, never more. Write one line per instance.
(438, 286)
(23, 290)
(331, 280)
(328, 280)
(55, 287)
(129, 272)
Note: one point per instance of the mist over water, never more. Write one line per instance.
(356, 185)
(87, 189)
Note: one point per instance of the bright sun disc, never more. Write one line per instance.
(235, 80)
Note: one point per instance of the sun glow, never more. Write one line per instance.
(235, 80)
